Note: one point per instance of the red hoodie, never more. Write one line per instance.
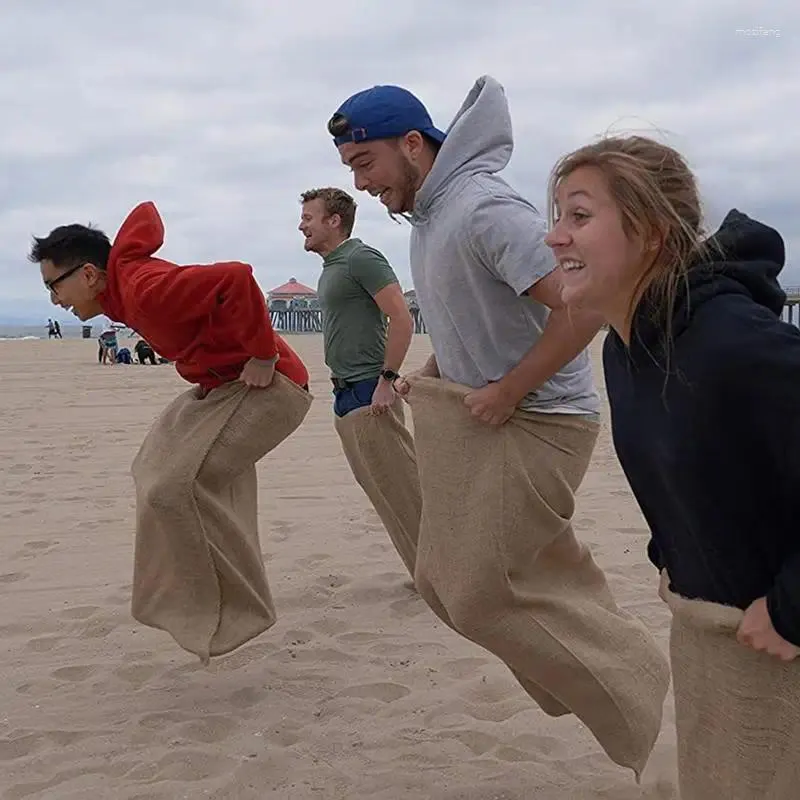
(208, 319)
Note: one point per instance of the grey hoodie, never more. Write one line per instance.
(476, 247)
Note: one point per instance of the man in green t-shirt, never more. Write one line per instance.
(367, 330)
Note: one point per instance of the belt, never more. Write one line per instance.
(342, 384)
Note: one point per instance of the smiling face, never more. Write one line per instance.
(321, 230)
(74, 288)
(601, 263)
(388, 169)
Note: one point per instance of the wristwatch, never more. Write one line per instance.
(390, 375)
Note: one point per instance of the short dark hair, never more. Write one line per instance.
(71, 245)
(336, 201)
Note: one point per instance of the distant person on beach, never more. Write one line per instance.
(506, 416)
(57, 329)
(358, 292)
(107, 346)
(144, 352)
(124, 356)
(199, 573)
(703, 380)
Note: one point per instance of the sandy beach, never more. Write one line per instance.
(357, 692)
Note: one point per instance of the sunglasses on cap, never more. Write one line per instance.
(339, 125)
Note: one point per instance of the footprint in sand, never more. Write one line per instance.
(476, 742)
(79, 612)
(313, 560)
(73, 674)
(18, 746)
(137, 674)
(247, 697)
(286, 735)
(359, 637)
(40, 544)
(330, 626)
(460, 668)
(297, 637)
(244, 656)
(96, 629)
(13, 577)
(193, 765)
(332, 581)
(211, 729)
(44, 644)
(409, 606)
(384, 692)
(162, 719)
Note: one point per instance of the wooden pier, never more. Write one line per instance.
(309, 320)
(791, 313)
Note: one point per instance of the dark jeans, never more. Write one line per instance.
(355, 395)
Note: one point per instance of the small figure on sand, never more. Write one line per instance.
(358, 291)
(53, 329)
(198, 571)
(144, 352)
(107, 346)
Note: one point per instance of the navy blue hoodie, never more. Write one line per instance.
(707, 429)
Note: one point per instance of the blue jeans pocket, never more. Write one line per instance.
(359, 395)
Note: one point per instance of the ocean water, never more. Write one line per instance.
(40, 331)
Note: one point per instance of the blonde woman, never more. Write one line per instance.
(703, 380)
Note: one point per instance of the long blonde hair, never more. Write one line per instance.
(657, 196)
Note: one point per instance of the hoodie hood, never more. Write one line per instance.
(139, 237)
(479, 140)
(743, 257)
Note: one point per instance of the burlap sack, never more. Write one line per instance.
(737, 711)
(380, 452)
(198, 571)
(499, 562)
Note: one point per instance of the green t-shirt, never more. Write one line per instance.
(353, 327)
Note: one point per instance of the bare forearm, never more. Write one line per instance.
(398, 340)
(565, 335)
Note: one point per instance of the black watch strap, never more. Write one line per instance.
(390, 375)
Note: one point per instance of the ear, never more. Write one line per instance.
(92, 274)
(655, 238)
(335, 221)
(414, 142)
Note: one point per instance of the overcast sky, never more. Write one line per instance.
(217, 110)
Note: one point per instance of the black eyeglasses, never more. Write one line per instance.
(51, 285)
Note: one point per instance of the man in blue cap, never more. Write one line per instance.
(499, 466)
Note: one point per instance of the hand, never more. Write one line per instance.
(490, 404)
(257, 373)
(382, 398)
(402, 385)
(756, 631)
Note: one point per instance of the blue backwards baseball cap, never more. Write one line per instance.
(382, 112)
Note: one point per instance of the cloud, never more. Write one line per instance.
(217, 111)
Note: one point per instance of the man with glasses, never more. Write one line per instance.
(199, 572)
